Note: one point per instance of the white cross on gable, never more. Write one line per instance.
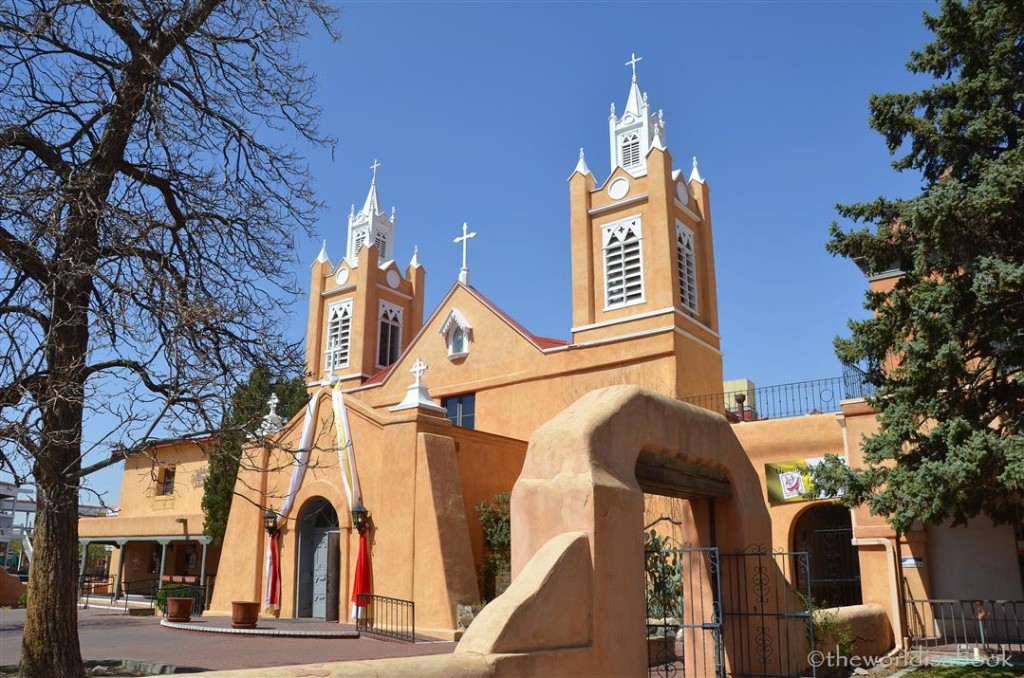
(418, 368)
(374, 167)
(464, 239)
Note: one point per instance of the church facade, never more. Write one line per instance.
(442, 403)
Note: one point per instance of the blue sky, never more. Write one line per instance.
(477, 111)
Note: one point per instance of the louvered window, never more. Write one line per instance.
(630, 149)
(339, 336)
(687, 262)
(381, 241)
(358, 240)
(623, 264)
(389, 343)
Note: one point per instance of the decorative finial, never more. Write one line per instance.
(581, 165)
(392, 214)
(418, 368)
(322, 257)
(695, 174)
(613, 109)
(352, 211)
(374, 167)
(464, 239)
(415, 262)
(634, 60)
(272, 421)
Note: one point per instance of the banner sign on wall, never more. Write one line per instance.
(791, 480)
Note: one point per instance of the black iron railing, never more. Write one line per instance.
(196, 593)
(95, 587)
(965, 628)
(386, 618)
(817, 396)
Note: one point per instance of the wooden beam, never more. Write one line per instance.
(673, 478)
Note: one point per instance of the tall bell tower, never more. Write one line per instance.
(642, 253)
(364, 311)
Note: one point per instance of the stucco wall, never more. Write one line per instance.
(976, 562)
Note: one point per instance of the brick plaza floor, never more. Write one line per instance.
(105, 634)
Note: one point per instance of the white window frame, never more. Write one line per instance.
(630, 139)
(456, 321)
(338, 350)
(393, 314)
(618, 230)
(381, 241)
(686, 262)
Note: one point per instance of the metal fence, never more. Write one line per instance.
(970, 629)
(768, 628)
(684, 622)
(386, 618)
(817, 396)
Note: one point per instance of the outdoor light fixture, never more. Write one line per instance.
(270, 522)
(359, 516)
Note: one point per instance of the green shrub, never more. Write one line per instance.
(23, 600)
(835, 642)
(496, 524)
(168, 591)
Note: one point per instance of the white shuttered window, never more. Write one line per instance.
(623, 264)
(339, 336)
(687, 262)
(630, 146)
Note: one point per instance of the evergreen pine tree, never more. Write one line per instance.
(248, 406)
(945, 347)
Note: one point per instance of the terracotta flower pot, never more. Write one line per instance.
(244, 614)
(179, 609)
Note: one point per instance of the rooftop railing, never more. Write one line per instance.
(818, 396)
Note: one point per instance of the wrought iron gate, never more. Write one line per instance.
(768, 627)
(684, 623)
(707, 610)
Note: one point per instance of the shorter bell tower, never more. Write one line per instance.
(364, 311)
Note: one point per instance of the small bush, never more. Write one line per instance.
(23, 600)
(835, 641)
(168, 591)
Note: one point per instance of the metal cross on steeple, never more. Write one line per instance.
(376, 164)
(633, 62)
(464, 239)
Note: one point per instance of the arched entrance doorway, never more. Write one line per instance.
(319, 539)
(825, 532)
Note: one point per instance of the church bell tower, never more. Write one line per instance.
(642, 252)
(364, 311)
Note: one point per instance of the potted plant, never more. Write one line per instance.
(179, 609)
(244, 614)
(168, 592)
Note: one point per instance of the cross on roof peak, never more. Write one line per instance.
(464, 239)
(374, 167)
(633, 61)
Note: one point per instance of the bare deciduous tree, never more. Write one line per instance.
(146, 222)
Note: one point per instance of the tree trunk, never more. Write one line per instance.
(50, 644)
(50, 647)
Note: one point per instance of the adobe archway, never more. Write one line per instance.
(577, 522)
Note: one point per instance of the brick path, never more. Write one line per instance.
(105, 634)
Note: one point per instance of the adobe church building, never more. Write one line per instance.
(441, 406)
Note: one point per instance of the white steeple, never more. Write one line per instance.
(370, 225)
(322, 257)
(634, 134)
